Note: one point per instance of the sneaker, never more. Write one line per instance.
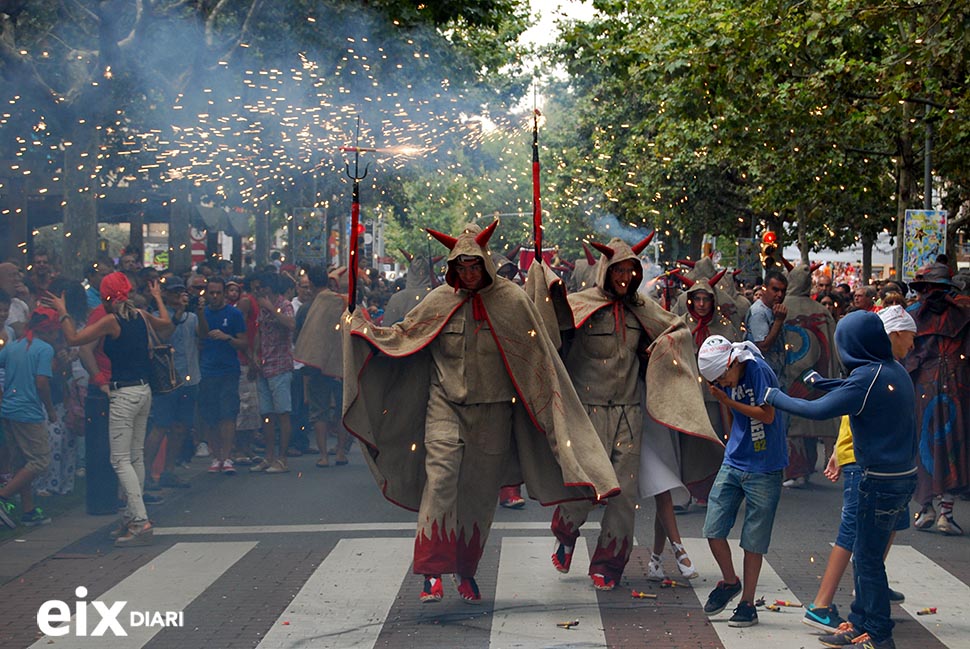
(948, 526)
(120, 530)
(216, 466)
(6, 513)
(34, 518)
(795, 483)
(744, 615)
(511, 498)
(823, 618)
(723, 593)
(655, 569)
(869, 643)
(843, 636)
(896, 597)
(468, 590)
(562, 558)
(137, 534)
(279, 466)
(152, 485)
(152, 499)
(172, 481)
(202, 450)
(433, 590)
(228, 468)
(925, 518)
(601, 582)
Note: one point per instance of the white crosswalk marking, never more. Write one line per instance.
(927, 585)
(330, 528)
(779, 629)
(531, 598)
(345, 601)
(168, 583)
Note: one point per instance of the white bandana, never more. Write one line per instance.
(895, 318)
(717, 352)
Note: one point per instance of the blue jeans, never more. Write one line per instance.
(852, 475)
(760, 493)
(881, 502)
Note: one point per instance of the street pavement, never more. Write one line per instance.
(317, 558)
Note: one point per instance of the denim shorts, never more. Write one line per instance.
(275, 397)
(760, 493)
(851, 477)
(175, 407)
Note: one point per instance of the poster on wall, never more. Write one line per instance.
(924, 237)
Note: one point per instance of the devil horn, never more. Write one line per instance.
(590, 259)
(606, 250)
(686, 280)
(436, 259)
(407, 255)
(814, 267)
(514, 252)
(687, 262)
(717, 278)
(736, 272)
(482, 237)
(788, 265)
(638, 248)
(448, 241)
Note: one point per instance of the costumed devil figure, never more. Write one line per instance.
(464, 391)
(418, 284)
(940, 371)
(616, 330)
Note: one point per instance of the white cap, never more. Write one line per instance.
(895, 318)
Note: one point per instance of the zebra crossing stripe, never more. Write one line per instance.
(927, 585)
(324, 528)
(170, 582)
(345, 601)
(774, 629)
(531, 598)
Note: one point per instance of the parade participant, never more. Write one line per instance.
(751, 472)
(319, 348)
(822, 613)
(464, 391)
(809, 332)
(729, 303)
(879, 398)
(616, 330)
(941, 375)
(704, 320)
(125, 333)
(418, 284)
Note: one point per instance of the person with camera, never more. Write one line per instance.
(125, 332)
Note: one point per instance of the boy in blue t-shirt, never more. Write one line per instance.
(755, 457)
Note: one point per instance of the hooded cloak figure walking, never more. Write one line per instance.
(462, 395)
(615, 331)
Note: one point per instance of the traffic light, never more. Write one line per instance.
(361, 229)
(769, 245)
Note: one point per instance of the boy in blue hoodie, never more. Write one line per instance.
(879, 398)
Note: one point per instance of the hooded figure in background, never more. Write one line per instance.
(464, 395)
(704, 319)
(940, 371)
(583, 275)
(702, 270)
(616, 331)
(417, 286)
(809, 345)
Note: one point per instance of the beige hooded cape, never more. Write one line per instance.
(387, 373)
(674, 397)
(320, 343)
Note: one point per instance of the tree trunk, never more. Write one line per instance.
(904, 185)
(801, 213)
(867, 241)
(179, 229)
(80, 198)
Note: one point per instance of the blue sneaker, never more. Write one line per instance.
(34, 518)
(6, 512)
(823, 618)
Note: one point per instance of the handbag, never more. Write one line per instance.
(161, 356)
